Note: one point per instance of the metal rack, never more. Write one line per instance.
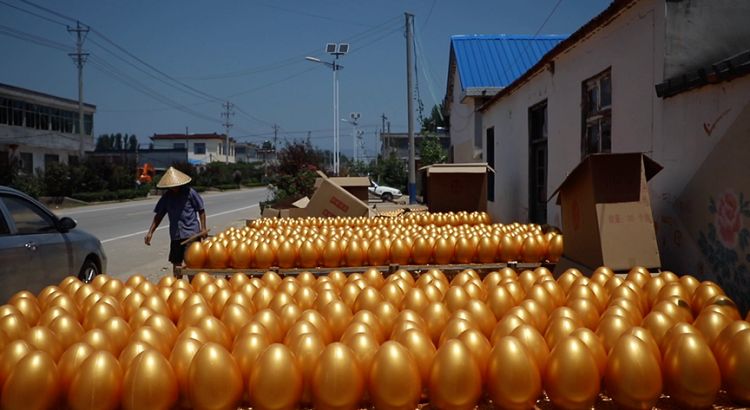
(415, 270)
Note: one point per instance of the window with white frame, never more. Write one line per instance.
(597, 114)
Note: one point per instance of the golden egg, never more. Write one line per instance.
(337, 381)
(130, 352)
(572, 378)
(214, 379)
(394, 378)
(594, 344)
(67, 329)
(275, 380)
(630, 386)
(658, 324)
(479, 346)
(134, 280)
(610, 328)
(675, 331)
(559, 329)
(69, 364)
(98, 383)
(264, 256)
(100, 340)
(442, 252)
(455, 378)
(377, 253)
(703, 293)
(33, 384)
(332, 254)
(189, 316)
(555, 249)
(710, 325)
(271, 321)
(422, 350)
(195, 256)
(691, 374)
(513, 378)
(734, 365)
(150, 383)
(119, 330)
(306, 349)
(241, 257)
(722, 340)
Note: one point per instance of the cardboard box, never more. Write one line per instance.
(456, 187)
(297, 213)
(302, 203)
(357, 186)
(331, 200)
(269, 212)
(606, 212)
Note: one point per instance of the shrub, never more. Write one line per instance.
(121, 194)
(199, 188)
(224, 187)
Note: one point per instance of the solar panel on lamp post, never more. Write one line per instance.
(335, 50)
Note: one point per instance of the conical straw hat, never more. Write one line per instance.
(173, 178)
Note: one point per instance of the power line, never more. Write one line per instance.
(428, 15)
(523, 52)
(298, 58)
(313, 15)
(32, 13)
(49, 11)
(11, 32)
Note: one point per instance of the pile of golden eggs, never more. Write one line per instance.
(348, 342)
(414, 239)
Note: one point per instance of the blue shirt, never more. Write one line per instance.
(182, 209)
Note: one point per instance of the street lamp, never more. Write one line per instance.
(354, 117)
(334, 50)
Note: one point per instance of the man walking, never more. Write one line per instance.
(184, 207)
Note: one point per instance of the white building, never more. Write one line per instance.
(41, 128)
(479, 67)
(202, 148)
(662, 77)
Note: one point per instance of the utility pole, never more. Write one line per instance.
(187, 146)
(227, 114)
(412, 164)
(275, 138)
(382, 131)
(79, 58)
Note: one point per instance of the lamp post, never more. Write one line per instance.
(354, 117)
(334, 50)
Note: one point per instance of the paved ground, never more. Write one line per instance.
(122, 226)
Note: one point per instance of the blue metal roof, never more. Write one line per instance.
(498, 60)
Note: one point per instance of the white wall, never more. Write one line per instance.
(679, 133)
(462, 125)
(212, 149)
(631, 46)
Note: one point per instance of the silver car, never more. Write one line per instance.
(38, 249)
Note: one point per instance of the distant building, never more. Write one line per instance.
(479, 67)
(41, 128)
(202, 148)
(248, 152)
(398, 143)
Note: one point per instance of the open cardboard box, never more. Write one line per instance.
(456, 187)
(332, 200)
(357, 186)
(606, 213)
(286, 210)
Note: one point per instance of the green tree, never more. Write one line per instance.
(293, 176)
(132, 143)
(431, 151)
(435, 120)
(103, 143)
(118, 142)
(392, 172)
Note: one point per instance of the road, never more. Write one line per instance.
(122, 226)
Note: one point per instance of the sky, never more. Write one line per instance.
(158, 67)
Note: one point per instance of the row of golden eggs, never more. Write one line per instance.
(423, 218)
(335, 252)
(558, 397)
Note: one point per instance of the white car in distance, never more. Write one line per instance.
(387, 194)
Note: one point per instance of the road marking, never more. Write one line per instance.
(139, 213)
(167, 226)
